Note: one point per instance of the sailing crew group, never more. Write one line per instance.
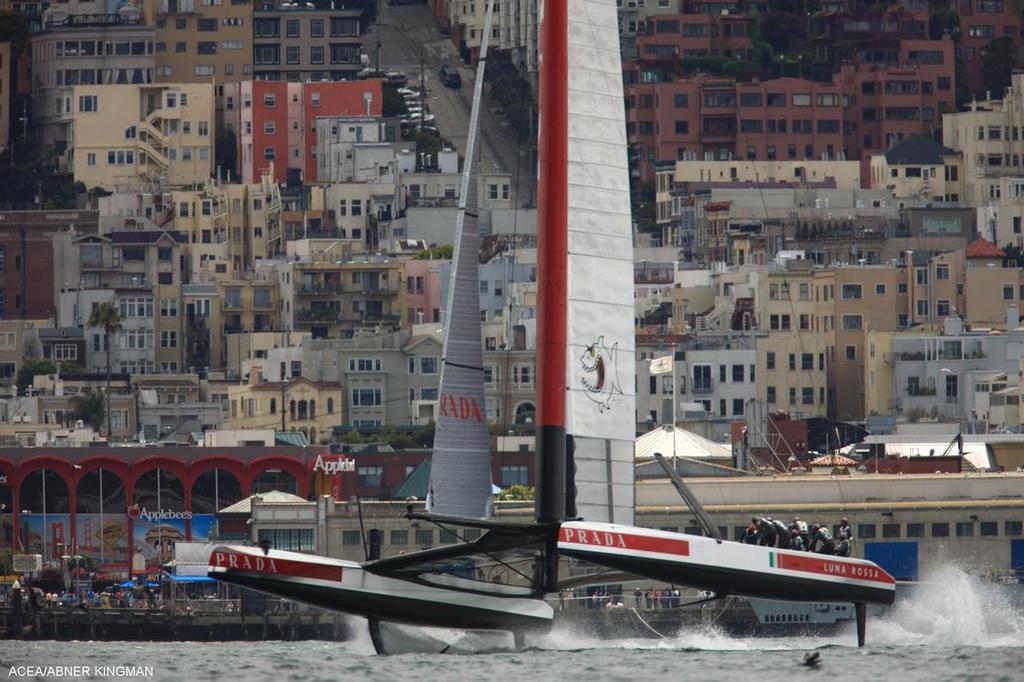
(799, 535)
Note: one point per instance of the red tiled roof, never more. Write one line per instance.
(982, 248)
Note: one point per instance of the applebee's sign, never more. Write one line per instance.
(136, 512)
(334, 466)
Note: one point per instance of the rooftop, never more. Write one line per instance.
(982, 248)
(918, 149)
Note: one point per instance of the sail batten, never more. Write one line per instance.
(601, 347)
(460, 472)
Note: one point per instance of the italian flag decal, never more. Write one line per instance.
(771, 559)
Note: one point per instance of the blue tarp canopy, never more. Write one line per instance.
(131, 584)
(192, 579)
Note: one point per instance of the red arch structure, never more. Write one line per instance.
(245, 463)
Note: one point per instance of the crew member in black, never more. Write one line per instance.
(842, 545)
(821, 540)
(781, 534)
(766, 533)
(796, 541)
(844, 528)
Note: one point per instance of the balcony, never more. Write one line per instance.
(233, 304)
(319, 288)
(377, 290)
(374, 318)
(324, 315)
(920, 391)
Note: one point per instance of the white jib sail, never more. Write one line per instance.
(460, 468)
(601, 409)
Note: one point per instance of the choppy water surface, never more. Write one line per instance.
(953, 630)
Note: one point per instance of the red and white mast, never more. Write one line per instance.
(552, 260)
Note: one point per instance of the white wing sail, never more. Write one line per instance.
(601, 409)
(460, 468)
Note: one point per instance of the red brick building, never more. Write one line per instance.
(865, 108)
(275, 122)
(982, 21)
(26, 259)
(695, 35)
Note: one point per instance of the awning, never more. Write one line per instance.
(192, 579)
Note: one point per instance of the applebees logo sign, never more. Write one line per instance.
(334, 466)
(137, 512)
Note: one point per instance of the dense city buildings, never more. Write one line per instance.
(241, 216)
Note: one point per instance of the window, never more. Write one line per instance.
(851, 352)
(989, 528)
(866, 530)
(88, 104)
(853, 322)
(316, 55)
(852, 291)
(915, 530)
(514, 474)
(940, 530)
(289, 539)
(366, 397)
(880, 290)
(964, 529)
(807, 395)
(1013, 527)
(269, 153)
(890, 530)
(1007, 292)
(399, 537)
(807, 361)
(370, 476)
(770, 395)
(168, 339)
(291, 28)
(737, 407)
(737, 373)
(351, 537)
(425, 537)
(168, 307)
(428, 365)
(770, 360)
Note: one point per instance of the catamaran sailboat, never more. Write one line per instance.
(585, 404)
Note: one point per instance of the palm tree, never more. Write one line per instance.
(108, 316)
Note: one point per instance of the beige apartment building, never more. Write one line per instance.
(301, 404)
(84, 50)
(918, 168)
(327, 297)
(229, 226)
(846, 174)
(130, 135)
(852, 300)
(202, 41)
(990, 139)
(792, 359)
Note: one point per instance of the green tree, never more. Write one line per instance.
(443, 252)
(998, 60)
(108, 317)
(32, 368)
(88, 407)
(15, 30)
(517, 492)
(393, 104)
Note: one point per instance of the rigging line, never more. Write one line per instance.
(456, 364)
(528, 579)
(646, 624)
(792, 307)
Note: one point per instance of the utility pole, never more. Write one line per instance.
(423, 90)
(378, 34)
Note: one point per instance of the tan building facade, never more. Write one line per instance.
(128, 135)
(200, 41)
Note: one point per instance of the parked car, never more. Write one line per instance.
(450, 77)
(396, 79)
